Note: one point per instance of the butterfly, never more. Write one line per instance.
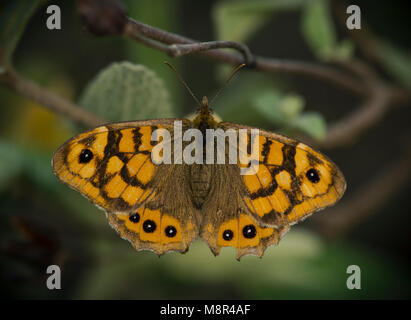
(164, 207)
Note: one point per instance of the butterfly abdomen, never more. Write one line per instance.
(200, 182)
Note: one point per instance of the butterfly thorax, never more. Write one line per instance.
(204, 119)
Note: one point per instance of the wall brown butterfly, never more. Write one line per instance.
(164, 207)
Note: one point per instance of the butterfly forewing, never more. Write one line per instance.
(112, 166)
(292, 181)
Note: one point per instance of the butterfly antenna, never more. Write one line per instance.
(228, 81)
(182, 81)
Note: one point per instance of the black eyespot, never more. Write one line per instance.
(171, 231)
(313, 175)
(249, 231)
(135, 218)
(85, 156)
(228, 235)
(149, 226)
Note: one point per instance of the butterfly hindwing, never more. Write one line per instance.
(227, 222)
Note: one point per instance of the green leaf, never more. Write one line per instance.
(238, 20)
(311, 123)
(13, 19)
(125, 91)
(318, 29)
(396, 61)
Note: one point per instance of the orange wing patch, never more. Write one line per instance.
(127, 143)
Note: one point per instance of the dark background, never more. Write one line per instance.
(43, 222)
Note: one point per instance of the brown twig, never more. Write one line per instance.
(51, 101)
(177, 50)
(153, 37)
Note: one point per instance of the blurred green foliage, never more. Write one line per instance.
(239, 20)
(302, 266)
(396, 61)
(13, 18)
(10, 163)
(285, 111)
(96, 262)
(319, 31)
(161, 14)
